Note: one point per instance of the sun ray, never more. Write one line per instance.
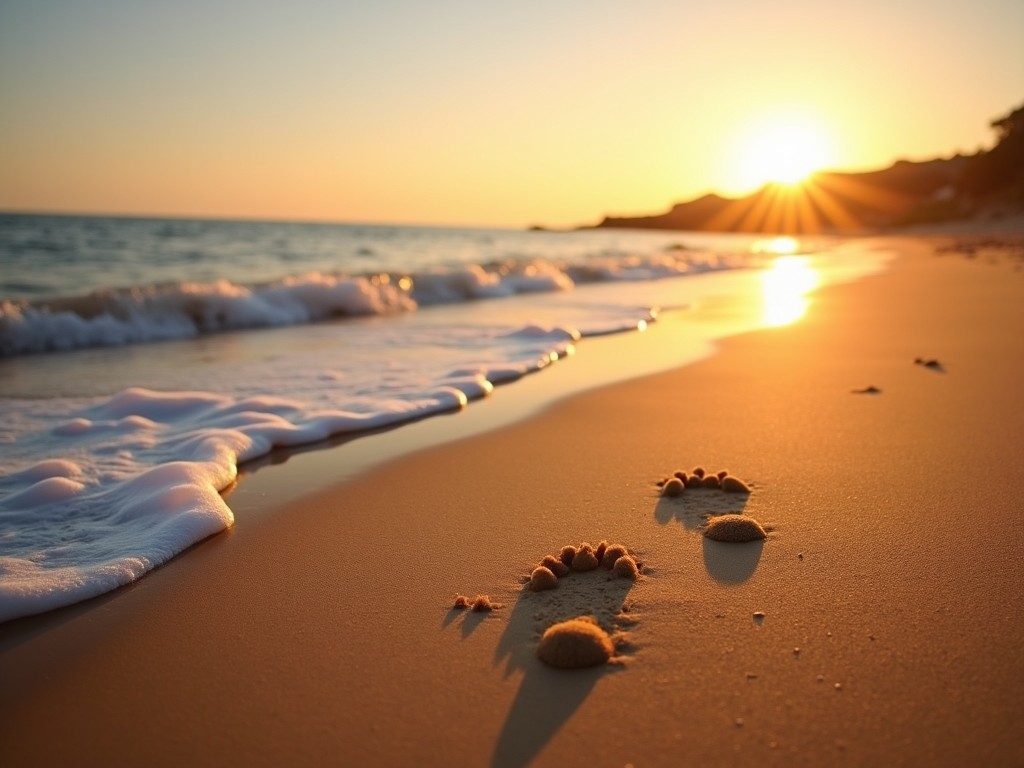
(832, 211)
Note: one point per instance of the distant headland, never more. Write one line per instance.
(988, 184)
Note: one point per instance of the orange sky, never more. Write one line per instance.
(470, 113)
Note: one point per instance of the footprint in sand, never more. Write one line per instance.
(582, 583)
(713, 504)
(575, 632)
(694, 497)
(575, 604)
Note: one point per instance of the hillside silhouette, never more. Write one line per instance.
(987, 184)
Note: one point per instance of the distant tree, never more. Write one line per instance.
(1001, 169)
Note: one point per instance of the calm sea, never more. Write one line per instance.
(141, 360)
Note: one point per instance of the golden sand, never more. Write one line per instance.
(575, 644)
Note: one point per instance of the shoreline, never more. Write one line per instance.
(698, 331)
(323, 632)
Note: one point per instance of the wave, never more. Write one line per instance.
(143, 314)
(142, 471)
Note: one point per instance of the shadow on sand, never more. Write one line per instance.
(548, 697)
(728, 564)
(696, 505)
(731, 563)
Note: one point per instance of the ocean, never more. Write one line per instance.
(143, 360)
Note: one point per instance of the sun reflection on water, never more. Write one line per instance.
(776, 246)
(786, 285)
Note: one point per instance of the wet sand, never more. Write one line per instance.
(880, 622)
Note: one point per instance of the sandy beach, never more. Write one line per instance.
(880, 623)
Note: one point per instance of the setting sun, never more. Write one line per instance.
(783, 148)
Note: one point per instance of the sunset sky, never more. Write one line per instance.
(503, 114)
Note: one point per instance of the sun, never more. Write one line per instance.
(783, 149)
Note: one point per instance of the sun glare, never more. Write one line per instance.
(786, 285)
(783, 149)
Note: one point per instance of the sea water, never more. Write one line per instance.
(143, 360)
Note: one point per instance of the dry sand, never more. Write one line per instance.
(323, 634)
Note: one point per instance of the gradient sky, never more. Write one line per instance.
(446, 112)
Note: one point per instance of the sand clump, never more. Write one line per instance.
(555, 565)
(479, 604)
(869, 390)
(673, 487)
(582, 559)
(542, 578)
(567, 554)
(734, 528)
(626, 567)
(699, 478)
(575, 644)
(585, 559)
(613, 553)
(732, 484)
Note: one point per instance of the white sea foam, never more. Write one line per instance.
(140, 472)
(185, 310)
